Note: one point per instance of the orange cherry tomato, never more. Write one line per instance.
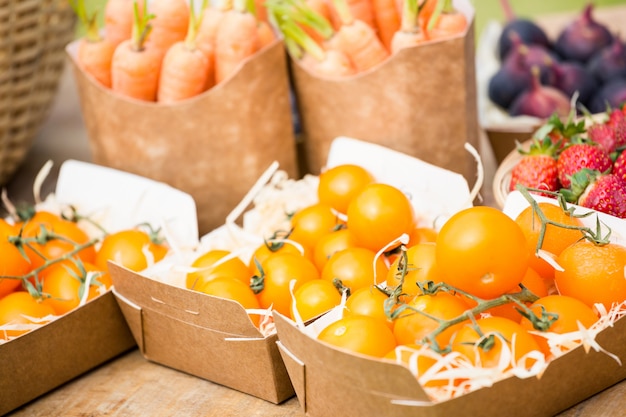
(555, 239)
(65, 237)
(413, 325)
(209, 267)
(482, 251)
(569, 313)
(16, 308)
(501, 332)
(362, 334)
(355, 268)
(338, 185)
(314, 298)
(421, 267)
(368, 301)
(592, 273)
(330, 243)
(12, 264)
(278, 272)
(232, 288)
(534, 283)
(129, 248)
(64, 284)
(269, 248)
(379, 214)
(311, 223)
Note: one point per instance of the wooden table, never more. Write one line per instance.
(132, 386)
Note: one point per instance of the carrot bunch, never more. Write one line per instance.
(336, 38)
(167, 50)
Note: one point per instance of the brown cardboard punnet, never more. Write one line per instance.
(421, 102)
(202, 335)
(213, 146)
(95, 332)
(45, 358)
(331, 382)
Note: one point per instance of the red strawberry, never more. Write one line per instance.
(537, 168)
(619, 166)
(617, 121)
(602, 192)
(578, 156)
(604, 136)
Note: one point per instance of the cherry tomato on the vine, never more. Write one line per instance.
(314, 298)
(16, 308)
(379, 214)
(356, 268)
(362, 334)
(338, 185)
(209, 268)
(131, 248)
(482, 251)
(12, 264)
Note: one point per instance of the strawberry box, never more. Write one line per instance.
(214, 338)
(95, 332)
(330, 381)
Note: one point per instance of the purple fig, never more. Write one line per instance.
(579, 40)
(529, 32)
(611, 95)
(540, 100)
(571, 77)
(609, 62)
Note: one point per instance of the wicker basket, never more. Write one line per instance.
(33, 35)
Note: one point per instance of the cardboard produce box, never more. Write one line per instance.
(212, 146)
(420, 101)
(330, 381)
(215, 339)
(503, 131)
(96, 332)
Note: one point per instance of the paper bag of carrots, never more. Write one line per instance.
(399, 73)
(193, 95)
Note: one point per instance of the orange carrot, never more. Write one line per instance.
(94, 51)
(304, 49)
(170, 23)
(410, 32)
(360, 10)
(446, 21)
(265, 34)
(185, 68)
(387, 20)
(236, 40)
(426, 9)
(118, 20)
(136, 66)
(357, 40)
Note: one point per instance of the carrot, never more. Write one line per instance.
(95, 52)
(236, 40)
(446, 21)
(118, 20)
(426, 9)
(304, 49)
(360, 10)
(387, 20)
(410, 33)
(136, 66)
(357, 40)
(170, 23)
(265, 34)
(185, 68)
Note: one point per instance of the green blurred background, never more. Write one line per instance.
(488, 9)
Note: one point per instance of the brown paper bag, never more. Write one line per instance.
(213, 146)
(421, 101)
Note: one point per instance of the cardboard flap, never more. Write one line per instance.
(296, 370)
(389, 380)
(132, 316)
(213, 146)
(220, 315)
